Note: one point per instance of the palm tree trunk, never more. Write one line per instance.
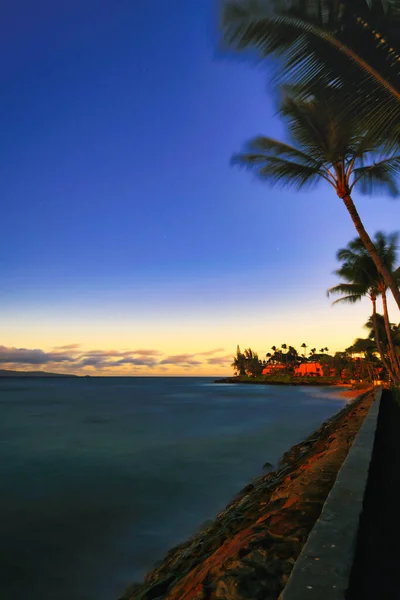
(377, 341)
(392, 353)
(369, 369)
(366, 240)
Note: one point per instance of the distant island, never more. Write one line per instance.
(7, 373)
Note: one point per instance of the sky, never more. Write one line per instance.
(129, 244)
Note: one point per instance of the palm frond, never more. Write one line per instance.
(344, 49)
(380, 176)
(279, 170)
(352, 292)
(359, 271)
(280, 149)
(347, 300)
(306, 125)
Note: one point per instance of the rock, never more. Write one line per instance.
(131, 589)
(157, 590)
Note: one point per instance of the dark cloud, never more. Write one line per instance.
(31, 357)
(106, 353)
(138, 362)
(105, 362)
(220, 360)
(93, 361)
(107, 359)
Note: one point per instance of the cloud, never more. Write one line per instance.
(122, 354)
(147, 352)
(93, 361)
(210, 352)
(106, 353)
(220, 360)
(107, 359)
(181, 359)
(31, 357)
(67, 347)
(126, 361)
(139, 362)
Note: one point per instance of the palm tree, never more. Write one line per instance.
(367, 348)
(253, 363)
(304, 345)
(379, 328)
(239, 362)
(363, 279)
(274, 356)
(284, 347)
(292, 355)
(327, 146)
(353, 45)
(387, 249)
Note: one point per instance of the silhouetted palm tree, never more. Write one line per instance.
(353, 45)
(284, 347)
(239, 362)
(253, 363)
(368, 348)
(379, 327)
(327, 146)
(363, 279)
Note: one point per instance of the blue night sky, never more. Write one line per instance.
(125, 230)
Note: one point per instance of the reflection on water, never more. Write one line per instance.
(99, 477)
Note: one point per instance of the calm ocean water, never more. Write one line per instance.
(100, 476)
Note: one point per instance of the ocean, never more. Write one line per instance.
(99, 477)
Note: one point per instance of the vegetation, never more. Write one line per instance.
(247, 363)
(363, 279)
(283, 367)
(352, 46)
(327, 145)
(336, 65)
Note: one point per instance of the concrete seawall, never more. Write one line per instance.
(323, 568)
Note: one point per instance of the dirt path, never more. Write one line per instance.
(249, 551)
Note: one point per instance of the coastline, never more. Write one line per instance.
(279, 380)
(249, 550)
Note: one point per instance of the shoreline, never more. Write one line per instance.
(254, 542)
(299, 381)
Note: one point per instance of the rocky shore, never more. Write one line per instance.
(248, 552)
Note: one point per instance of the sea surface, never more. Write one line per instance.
(99, 477)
